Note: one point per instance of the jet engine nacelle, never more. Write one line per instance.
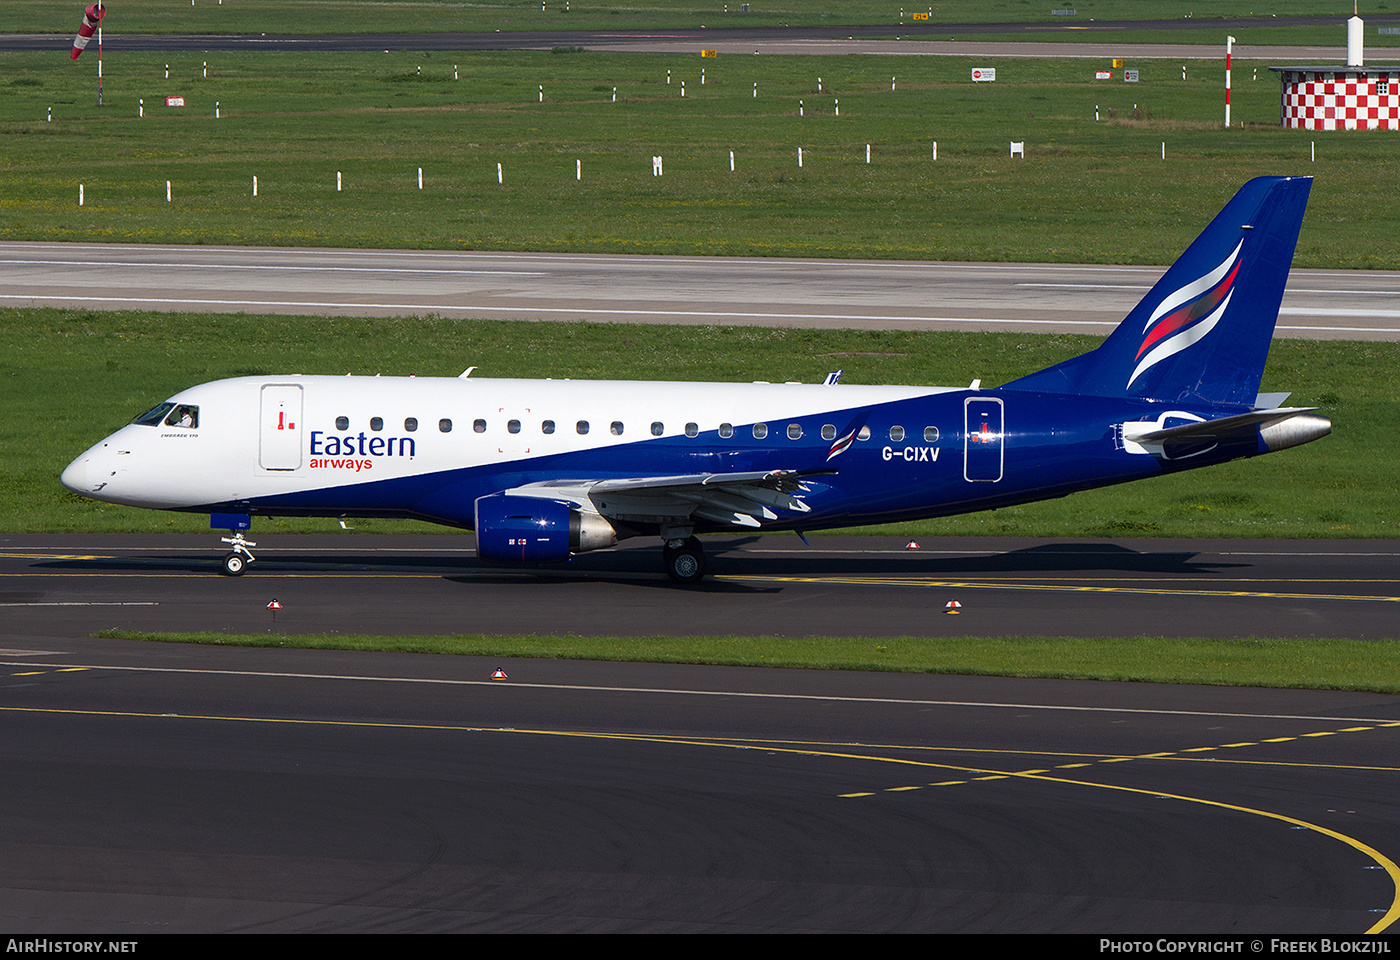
(517, 529)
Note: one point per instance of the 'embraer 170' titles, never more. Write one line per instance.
(545, 469)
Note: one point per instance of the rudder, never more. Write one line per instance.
(1203, 331)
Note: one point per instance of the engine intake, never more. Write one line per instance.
(513, 529)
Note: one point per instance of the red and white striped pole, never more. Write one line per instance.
(1229, 48)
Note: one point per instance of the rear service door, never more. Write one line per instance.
(983, 439)
(279, 431)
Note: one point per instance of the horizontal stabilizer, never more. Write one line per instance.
(1221, 427)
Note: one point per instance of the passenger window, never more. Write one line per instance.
(479, 426)
(582, 427)
(760, 430)
(154, 416)
(410, 424)
(183, 416)
(376, 423)
(657, 429)
(513, 426)
(616, 428)
(794, 431)
(342, 423)
(896, 434)
(692, 430)
(931, 434)
(828, 431)
(726, 430)
(547, 427)
(445, 426)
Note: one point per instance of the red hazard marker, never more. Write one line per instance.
(274, 605)
(499, 675)
(952, 606)
(912, 545)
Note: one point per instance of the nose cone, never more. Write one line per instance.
(75, 475)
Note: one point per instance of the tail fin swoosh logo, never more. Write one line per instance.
(1187, 315)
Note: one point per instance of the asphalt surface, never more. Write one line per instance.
(163, 788)
(913, 38)
(1045, 298)
(837, 586)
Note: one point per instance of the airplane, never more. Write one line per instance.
(543, 470)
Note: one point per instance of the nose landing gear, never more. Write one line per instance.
(237, 561)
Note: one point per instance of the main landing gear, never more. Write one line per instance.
(684, 560)
(237, 561)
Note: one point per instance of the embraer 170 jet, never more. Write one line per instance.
(545, 469)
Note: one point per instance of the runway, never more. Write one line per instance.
(1097, 39)
(1043, 298)
(156, 788)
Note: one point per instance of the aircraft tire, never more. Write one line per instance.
(685, 564)
(234, 565)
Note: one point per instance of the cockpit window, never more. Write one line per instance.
(153, 417)
(184, 415)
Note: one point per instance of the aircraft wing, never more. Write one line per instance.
(744, 499)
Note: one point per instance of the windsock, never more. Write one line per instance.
(91, 16)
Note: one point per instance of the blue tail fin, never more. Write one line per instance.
(1203, 332)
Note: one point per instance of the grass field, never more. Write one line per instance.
(69, 378)
(1255, 662)
(430, 16)
(1087, 191)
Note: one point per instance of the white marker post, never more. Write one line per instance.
(935, 149)
(614, 100)
(731, 161)
(838, 108)
(337, 181)
(1164, 149)
(891, 83)
(454, 71)
(867, 153)
(80, 194)
(167, 191)
(799, 156)
(541, 93)
(1229, 47)
(141, 107)
(206, 69)
(216, 109)
(799, 108)
(578, 169)
(255, 186)
(682, 89)
(50, 116)
(420, 178)
(755, 89)
(499, 177)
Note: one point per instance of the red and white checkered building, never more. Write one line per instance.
(1339, 98)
